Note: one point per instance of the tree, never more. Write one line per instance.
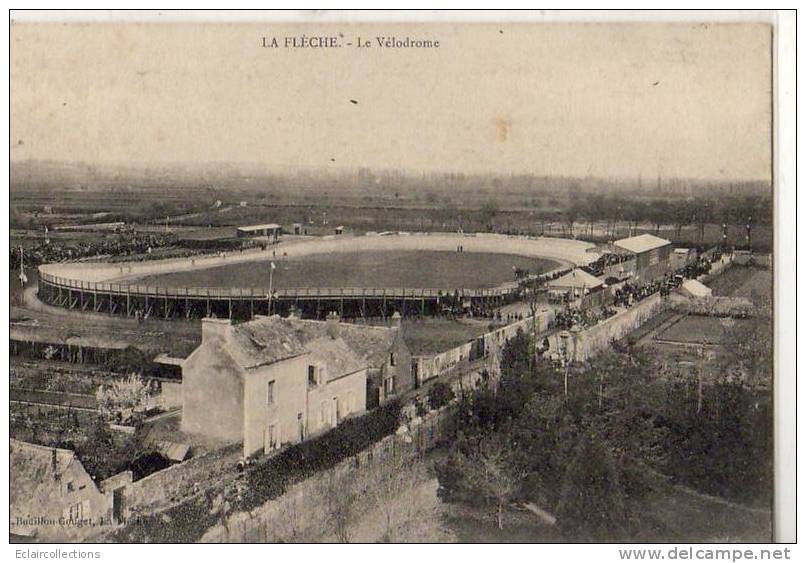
(752, 349)
(488, 212)
(681, 215)
(572, 214)
(490, 472)
(591, 506)
(391, 484)
(123, 400)
(439, 395)
(341, 498)
(541, 440)
(516, 355)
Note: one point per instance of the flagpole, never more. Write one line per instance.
(23, 277)
(271, 280)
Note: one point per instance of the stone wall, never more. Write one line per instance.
(301, 514)
(178, 481)
(586, 343)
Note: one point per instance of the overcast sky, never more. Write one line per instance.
(570, 99)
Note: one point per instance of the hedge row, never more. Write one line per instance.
(268, 479)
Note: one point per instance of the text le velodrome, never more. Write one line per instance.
(338, 41)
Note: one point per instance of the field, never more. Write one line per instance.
(742, 281)
(697, 329)
(402, 268)
(431, 336)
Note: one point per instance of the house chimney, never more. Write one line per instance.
(396, 320)
(215, 329)
(333, 325)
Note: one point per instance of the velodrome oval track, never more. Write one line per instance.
(102, 287)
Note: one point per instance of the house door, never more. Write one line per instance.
(269, 438)
(118, 499)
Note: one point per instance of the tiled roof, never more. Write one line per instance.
(31, 465)
(336, 355)
(641, 243)
(263, 341)
(266, 340)
(370, 343)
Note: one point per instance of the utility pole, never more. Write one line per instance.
(749, 228)
(701, 373)
(565, 360)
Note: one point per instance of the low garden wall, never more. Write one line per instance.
(301, 514)
(585, 343)
(178, 481)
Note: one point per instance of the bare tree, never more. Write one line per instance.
(341, 500)
(490, 471)
(392, 482)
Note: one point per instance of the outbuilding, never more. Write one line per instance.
(270, 230)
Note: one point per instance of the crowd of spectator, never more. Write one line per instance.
(568, 318)
(125, 246)
(122, 244)
(599, 266)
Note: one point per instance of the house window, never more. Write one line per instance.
(270, 393)
(392, 359)
(76, 512)
(70, 487)
(312, 375)
(389, 385)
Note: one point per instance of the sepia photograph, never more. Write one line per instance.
(391, 279)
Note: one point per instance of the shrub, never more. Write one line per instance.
(269, 479)
(440, 395)
(123, 399)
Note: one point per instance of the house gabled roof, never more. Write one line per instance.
(371, 344)
(337, 356)
(32, 464)
(577, 278)
(267, 340)
(262, 342)
(641, 243)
